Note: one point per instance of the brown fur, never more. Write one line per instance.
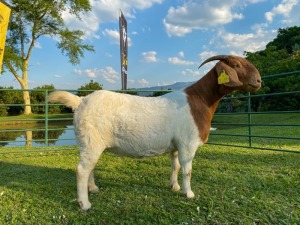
(205, 95)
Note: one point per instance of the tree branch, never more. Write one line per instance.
(13, 71)
(21, 35)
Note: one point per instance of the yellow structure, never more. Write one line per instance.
(4, 19)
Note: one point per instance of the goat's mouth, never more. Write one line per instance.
(254, 87)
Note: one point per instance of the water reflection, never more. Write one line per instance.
(59, 133)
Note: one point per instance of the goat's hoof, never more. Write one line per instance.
(86, 206)
(190, 194)
(175, 187)
(94, 189)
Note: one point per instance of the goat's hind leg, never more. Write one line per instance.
(85, 176)
(174, 173)
(92, 187)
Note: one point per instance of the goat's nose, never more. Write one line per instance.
(258, 80)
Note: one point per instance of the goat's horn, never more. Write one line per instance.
(217, 57)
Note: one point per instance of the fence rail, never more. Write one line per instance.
(277, 130)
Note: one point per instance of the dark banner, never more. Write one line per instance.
(123, 49)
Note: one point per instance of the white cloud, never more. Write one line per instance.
(284, 8)
(114, 37)
(91, 73)
(236, 44)
(105, 11)
(89, 23)
(143, 82)
(37, 44)
(149, 56)
(293, 17)
(206, 54)
(181, 54)
(186, 18)
(188, 72)
(178, 61)
(255, 1)
(107, 73)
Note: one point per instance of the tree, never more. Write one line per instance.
(281, 55)
(286, 39)
(29, 21)
(9, 96)
(38, 98)
(90, 86)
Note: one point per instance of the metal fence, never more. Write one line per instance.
(238, 126)
(277, 130)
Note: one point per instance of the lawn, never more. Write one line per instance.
(231, 185)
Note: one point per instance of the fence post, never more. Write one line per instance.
(46, 118)
(249, 120)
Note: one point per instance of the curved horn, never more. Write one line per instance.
(217, 57)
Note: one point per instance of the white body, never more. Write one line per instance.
(135, 126)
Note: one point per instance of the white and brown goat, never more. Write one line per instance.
(178, 122)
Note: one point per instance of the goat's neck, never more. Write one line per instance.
(207, 91)
(203, 98)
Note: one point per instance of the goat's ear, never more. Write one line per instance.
(227, 75)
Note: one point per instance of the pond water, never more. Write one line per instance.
(59, 134)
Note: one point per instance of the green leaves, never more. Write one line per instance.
(72, 46)
(32, 19)
(90, 86)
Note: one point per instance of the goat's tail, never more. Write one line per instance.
(66, 98)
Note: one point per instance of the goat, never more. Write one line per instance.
(177, 122)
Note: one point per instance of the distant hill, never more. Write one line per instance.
(175, 86)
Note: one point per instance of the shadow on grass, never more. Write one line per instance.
(37, 182)
(58, 185)
(231, 186)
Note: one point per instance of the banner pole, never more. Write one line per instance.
(123, 49)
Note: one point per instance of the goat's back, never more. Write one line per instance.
(132, 125)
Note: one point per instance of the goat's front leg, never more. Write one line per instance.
(174, 173)
(185, 158)
(186, 179)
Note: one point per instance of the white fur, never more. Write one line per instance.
(131, 126)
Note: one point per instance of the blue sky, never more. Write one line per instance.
(168, 40)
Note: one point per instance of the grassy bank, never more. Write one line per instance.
(33, 118)
(232, 186)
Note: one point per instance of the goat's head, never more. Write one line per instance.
(236, 72)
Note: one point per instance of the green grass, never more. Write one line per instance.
(232, 186)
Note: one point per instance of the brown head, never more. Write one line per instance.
(236, 73)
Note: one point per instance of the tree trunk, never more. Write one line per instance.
(27, 107)
(24, 85)
(28, 135)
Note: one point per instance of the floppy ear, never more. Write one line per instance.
(227, 75)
